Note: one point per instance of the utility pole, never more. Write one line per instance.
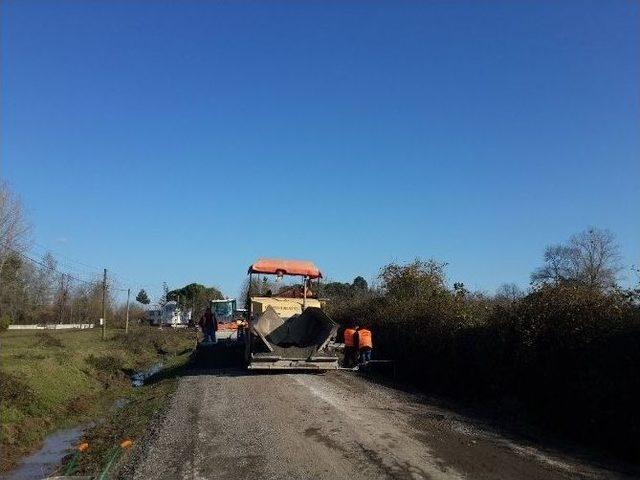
(126, 322)
(62, 299)
(104, 305)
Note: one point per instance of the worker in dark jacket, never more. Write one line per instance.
(209, 325)
(365, 344)
(241, 325)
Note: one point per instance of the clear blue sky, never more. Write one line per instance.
(178, 141)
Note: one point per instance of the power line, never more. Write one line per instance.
(58, 254)
(66, 274)
(41, 263)
(85, 270)
(49, 267)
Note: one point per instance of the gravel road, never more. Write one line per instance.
(228, 424)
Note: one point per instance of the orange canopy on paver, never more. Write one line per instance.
(285, 267)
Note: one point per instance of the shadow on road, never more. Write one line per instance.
(504, 420)
(226, 359)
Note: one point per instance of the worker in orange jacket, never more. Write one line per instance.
(365, 344)
(350, 347)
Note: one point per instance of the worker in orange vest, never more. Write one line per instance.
(365, 344)
(350, 349)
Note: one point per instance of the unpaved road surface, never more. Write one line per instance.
(227, 424)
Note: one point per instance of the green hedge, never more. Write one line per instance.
(565, 355)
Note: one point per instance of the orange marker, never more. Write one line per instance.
(126, 443)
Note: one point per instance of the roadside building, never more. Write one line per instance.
(154, 316)
(170, 315)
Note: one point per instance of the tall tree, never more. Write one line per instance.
(590, 258)
(164, 297)
(194, 291)
(417, 279)
(335, 290)
(143, 297)
(195, 297)
(360, 284)
(509, 293)
(247, 290)
(14, 232)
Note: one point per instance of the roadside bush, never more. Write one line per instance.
(80, 404)
(107, 364)
(14, 392)
(5, 321)
(578, 361)
(152, 340)
(569, 355)
(46, 339)
(134, 342)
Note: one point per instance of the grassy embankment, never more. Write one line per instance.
(56, 379)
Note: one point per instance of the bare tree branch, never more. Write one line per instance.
(590, 258)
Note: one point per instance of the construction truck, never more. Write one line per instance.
(227, 315)
(225, 310)
(288, 329)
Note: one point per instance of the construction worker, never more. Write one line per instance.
(350, 350)
(365, 344)
(241, 325)
(209, 324)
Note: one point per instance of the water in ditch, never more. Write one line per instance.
(138, 379)
(43, 463)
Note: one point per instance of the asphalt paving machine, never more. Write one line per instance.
(288, 329)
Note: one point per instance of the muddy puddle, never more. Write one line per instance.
(43, 463)
(139, 378)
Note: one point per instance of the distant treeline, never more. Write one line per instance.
(34, 291)
(565, 354)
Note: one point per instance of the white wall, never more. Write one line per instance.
(53, 326)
